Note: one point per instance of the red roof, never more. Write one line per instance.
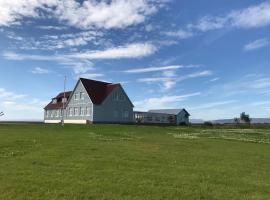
(98, 90)
(59, 103)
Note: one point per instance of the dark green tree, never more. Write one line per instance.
(245, 118)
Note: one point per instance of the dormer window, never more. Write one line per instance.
(54, 101)
(64, 100)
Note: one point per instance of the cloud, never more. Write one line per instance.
(39, 70)
(251, 17)
(162, 102)
(87, 14)
(180, 34)
(257, 44)
(135, 50)
(214, 79)
(154, 69)
(52, 27)
(90, 75)
(169, 81)
(10, 95)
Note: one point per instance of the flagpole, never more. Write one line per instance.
(64, 101)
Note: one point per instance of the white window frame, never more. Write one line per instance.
(70, 111)
(76, 95)
(81, 95)
(76, 111)
(88, 111)
(82, 113)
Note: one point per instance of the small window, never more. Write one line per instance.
(126, 114)
(121, 97)
(54, 101)
(56, 113)
(88, 111)
(64, 100)
(115, 96)
(52, 113)
(70, 111)
(76, 95)
(61, 113)
(76, 111)
(81, 111)
(82, 95)
(47, 113)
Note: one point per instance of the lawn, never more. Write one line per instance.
(118, 162)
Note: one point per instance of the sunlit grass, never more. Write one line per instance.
(133, 162)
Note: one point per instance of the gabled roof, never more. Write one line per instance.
(59, 103)
(98, 90)
(169, 111)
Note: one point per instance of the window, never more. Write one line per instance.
(115, 96)
(121, 97)
(64, 100)
(56, 113)
(125, 114)
(88, 111)
(81, 111)
(76, 95)
(82, 95)
(115, 113)
(76, 111)
(61, 113)
(52, 113)
(47, 113)
(54, 101)
(70, 111)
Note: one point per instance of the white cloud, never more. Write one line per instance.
(39, 70)
(169, 81)
(52, 27)
(10, 95)
(180, 34)
(162, 102)
(154, 69)
(136, 50)
(214, 79)
(252, 17)
(86, 14)
(80, 63)
(91, 75)
(257, 44)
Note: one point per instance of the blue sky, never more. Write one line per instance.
(211, 57)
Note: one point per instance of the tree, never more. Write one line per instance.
(245, 118)
(236, 120)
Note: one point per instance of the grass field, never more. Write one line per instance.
(118, 162)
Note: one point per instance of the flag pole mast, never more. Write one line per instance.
(64, 101)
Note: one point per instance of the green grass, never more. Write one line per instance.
(118, 162)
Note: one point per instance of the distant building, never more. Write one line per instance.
(91, 102)
(162, 116)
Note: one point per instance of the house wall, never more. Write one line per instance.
(79, 104)
(52, 115)
(113, 111)
(182, 117)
